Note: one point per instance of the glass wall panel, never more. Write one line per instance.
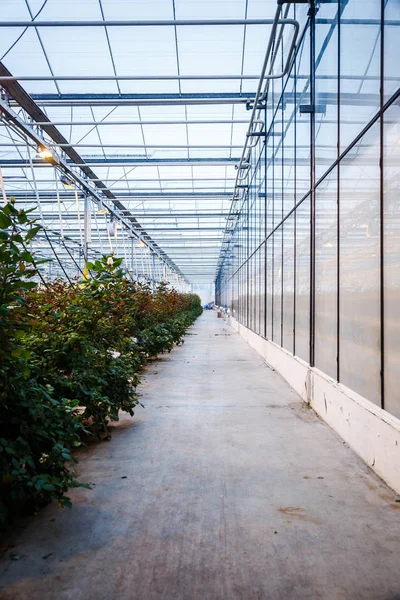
(303, 132)
(277, 289)
(262, 290)
(359, 66)
(288, 284)
(270, 149)
(269, 275)
(302, 315)
(391, 162)
(326, 88)
(271, 286)
(326, 223)
(359, 281)
(391, 53)
(289, 158)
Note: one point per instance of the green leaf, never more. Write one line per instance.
(32, 233)
(48, 487)
(22, 217)
(5, 221)
(26, 256)
(27, 285)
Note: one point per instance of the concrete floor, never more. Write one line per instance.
(223, 487)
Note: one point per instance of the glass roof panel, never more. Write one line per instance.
(138, 10)
(208, 9)
(207, 50)
(167, 159)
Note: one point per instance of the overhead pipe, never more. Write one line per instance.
(255, 121)
(145, 23)
(125, 77)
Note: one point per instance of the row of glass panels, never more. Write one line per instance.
(323, 280)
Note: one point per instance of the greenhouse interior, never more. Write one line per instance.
(199, 300)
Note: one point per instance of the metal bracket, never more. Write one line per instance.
(256, 134)
(306, 109)
(261, 105)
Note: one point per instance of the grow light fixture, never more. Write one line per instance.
(140, 244)
(67, 182)
(44, 153)
(102, 209)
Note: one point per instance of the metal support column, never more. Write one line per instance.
(87, 226)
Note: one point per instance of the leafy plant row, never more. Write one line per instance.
(70, 360)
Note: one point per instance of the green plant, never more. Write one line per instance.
(71, 355)
(37, 430)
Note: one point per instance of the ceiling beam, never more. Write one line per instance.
(128, 78)
(26, 102)
(207, 98)
(164, 122)
(347, 98)
(145, 23)
(126, 161)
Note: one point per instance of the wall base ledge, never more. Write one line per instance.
(373, 433)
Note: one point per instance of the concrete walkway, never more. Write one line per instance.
(223, 488)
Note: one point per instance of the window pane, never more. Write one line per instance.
(326, 89)
(277, 294)
(326, 275)
(359, 286)
(392, 258)
(391, 54)
(288, 283)
(269, 275)
(359, 66)
(303, 120)
(302, 310)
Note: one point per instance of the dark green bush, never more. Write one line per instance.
(37, 429)
(70, 358)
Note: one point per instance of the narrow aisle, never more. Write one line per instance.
(224, 487)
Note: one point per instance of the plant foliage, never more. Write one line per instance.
(70, 360)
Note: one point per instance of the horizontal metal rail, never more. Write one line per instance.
(142, 23)
(127, 77)
(22, 179)
(127, 100)
(134, 146)
(129, 122)
(72, 215)
(136, 196)
(126, 162)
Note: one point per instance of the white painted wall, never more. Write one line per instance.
(371, 432)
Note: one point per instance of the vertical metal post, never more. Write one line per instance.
(248, 253)
(154, 270)
(312, 183)
(338, 204)
(272, 167)
(265, 226)
(86, 226)
(34, 181)
(132, 270)
(294, 200)
(382, 208)
(3, 190)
